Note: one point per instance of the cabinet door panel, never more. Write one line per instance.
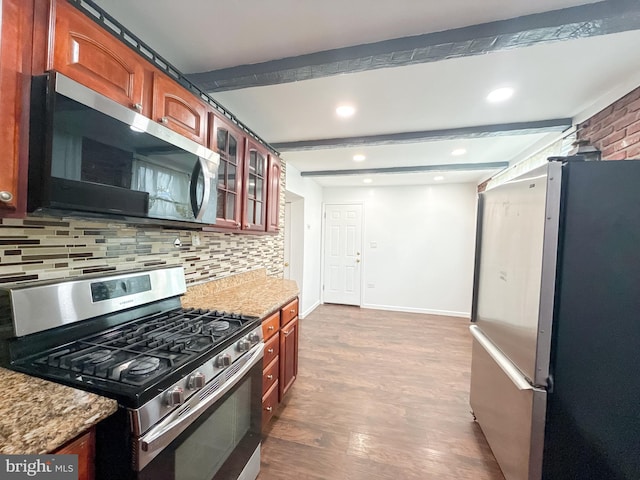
(179, 109)
(229, 143)
(273, 194)
(288, 356)
(95, 58)
(255, 188)
(84, 447)
(16, 21)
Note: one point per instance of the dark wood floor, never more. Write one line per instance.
(380, 395)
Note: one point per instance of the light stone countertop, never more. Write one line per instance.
(251, 293)
(37, 416)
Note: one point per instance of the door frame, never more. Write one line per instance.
(322, 246)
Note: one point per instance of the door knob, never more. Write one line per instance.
(286, 264)
(357, 260)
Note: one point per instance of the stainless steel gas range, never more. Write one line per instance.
(188, 381)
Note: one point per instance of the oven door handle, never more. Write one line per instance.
(163, 434)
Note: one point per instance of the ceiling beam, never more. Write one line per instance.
(456, 167)
(480, 131)
(601, 18)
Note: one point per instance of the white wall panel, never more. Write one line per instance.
(418, 249)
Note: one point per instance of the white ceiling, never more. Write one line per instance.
(201, 35)
(551, 80)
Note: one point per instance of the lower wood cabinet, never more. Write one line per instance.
(84, 446)
(280, 364)
(288, 356)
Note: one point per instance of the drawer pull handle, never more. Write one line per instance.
(292, 311)
(269, 377)
(271, 328)
(269, 350)
(269, 409)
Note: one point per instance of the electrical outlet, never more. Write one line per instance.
(373, 244)
(371, 285)
(195, 239)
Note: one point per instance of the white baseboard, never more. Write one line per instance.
(309, 310)
(392, 308)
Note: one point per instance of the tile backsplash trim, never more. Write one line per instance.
(45, 248)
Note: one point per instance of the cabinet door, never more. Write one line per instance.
(229, 143)
(288, 356)
(273, 194)
(255, 188)
(84, 447)
(92, 56)
(177, 108)
(16, 23)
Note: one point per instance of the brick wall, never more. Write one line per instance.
(615, 131)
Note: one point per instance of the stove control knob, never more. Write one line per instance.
(174, 397)
(196, 381)
(223, 360)
(254, 338)
(243, 345)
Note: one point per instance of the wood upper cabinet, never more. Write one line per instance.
(273, 194)
(93, 57)
(255, 187)
(288, 356)
(177, 108)
(16, 30)
(84, 446)
(229, 143)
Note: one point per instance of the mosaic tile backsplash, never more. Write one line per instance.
(44, 248)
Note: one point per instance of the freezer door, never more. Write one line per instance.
(515, 268)
(509, 410)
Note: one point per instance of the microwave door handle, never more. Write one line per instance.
(201, 165)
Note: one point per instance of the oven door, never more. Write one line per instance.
(215, 435)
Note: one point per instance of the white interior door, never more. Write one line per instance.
(342, 254)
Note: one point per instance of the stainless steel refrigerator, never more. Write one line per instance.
(555, 376)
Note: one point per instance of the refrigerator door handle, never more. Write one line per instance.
(503, 362)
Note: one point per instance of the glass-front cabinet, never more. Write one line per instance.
(229, 144)
(255, 188)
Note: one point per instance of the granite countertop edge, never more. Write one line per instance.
(38, 416)
(258, 298)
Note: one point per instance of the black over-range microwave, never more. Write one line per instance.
(91, 156)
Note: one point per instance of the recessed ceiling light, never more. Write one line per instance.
(437, 178)
(500, 94)
(367, 180)
(359, 158)
(459, 151)
(345, 111)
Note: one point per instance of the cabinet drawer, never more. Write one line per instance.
(271, 350)
(289, 312)
(269, 404)
(270, 326)
(270, 375)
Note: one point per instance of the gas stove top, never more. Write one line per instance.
(125, 337)
(141, 352)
